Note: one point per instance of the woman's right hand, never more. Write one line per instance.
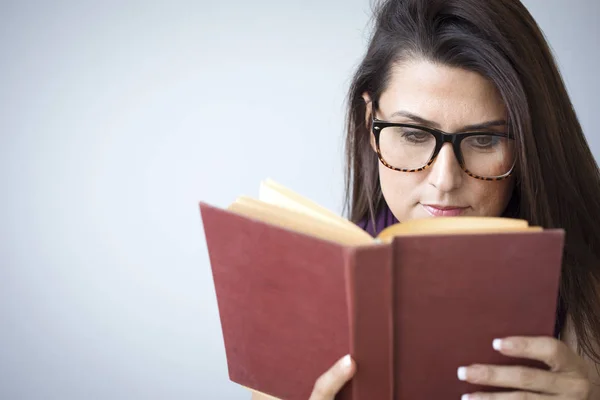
(328, 384)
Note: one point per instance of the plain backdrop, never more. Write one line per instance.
(117, 118)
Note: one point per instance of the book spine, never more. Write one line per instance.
(370, 312)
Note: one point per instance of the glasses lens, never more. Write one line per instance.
(406, 148)
(488, 156)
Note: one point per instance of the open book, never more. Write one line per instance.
(298, 287)
(281, 206)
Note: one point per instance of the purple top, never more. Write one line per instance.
(385, 218)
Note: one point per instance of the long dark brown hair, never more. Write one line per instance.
(558, 182)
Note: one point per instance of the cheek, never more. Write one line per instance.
(489, 199)
(400, 190)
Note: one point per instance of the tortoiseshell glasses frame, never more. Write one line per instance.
(455, 139)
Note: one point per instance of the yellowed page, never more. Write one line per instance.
(298, 222)
(260, 396)
(456, 225)
(274, 193)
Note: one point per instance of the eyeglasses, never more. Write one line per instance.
(488, 156)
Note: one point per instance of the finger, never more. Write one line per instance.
(506, 396)
(523, 378)
(328, 384)
(550, 351)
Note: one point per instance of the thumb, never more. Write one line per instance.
(328, 384)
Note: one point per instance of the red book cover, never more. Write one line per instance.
(410, 312)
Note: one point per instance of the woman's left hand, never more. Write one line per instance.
(566, 379)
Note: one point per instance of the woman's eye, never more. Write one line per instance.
(485, 141)
(415, 136)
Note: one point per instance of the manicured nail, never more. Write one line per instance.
(462, 374)
(346, 362)
(497, 344)
(464, 397)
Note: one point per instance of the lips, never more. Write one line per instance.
(443, 211)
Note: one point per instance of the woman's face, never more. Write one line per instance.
(450, 99)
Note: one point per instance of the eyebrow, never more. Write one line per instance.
(426, 122)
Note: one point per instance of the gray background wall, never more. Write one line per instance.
(116, 118)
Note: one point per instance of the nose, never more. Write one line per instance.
(445, 173)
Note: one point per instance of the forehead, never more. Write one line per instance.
(452, 97)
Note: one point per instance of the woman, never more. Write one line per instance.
(458, 109)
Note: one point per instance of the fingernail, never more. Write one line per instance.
(503, 344)
(462, 374)
(346, 362)
(497, 344)
(465, 397)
